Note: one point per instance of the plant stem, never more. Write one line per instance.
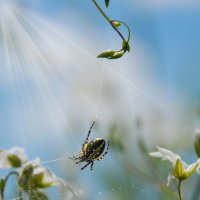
(120, 34)
(2, 194)
(111, 22)
(116, 29)
(179, 190)
(101, 11)
(6, 180)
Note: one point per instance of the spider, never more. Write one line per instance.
(91, 151)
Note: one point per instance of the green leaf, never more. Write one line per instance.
(116, 55)
(14, 161)
(107, 2)
(107, 54)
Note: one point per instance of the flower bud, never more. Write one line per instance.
(116, 23)
(43, 177)
(183, 171)
(14, 160)
(25, 177)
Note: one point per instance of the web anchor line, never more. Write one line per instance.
(55, 160)
(100, 89)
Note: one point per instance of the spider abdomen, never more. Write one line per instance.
(91, 151)
(95, 148)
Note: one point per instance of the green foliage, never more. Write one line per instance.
(142, 146)
(116, 139)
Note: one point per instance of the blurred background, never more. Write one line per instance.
(52, 87)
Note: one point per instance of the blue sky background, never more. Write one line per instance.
(169, 29)
(47, 109)
(163, 62)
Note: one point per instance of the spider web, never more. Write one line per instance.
(49, 74)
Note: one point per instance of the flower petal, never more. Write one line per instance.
(165, 154)
(9, 158)
(43, 177)
(172, 182)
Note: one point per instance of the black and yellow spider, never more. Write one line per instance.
(91, 151)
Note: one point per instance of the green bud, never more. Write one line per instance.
(126, 46)
(197, 144)
(107, 2)
(14, 160)
(38, 181)
(106, 54)
(25, 177)
(117, 54)
(116, 23)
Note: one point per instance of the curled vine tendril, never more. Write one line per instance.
(116, 24)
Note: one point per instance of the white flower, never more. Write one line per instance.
(34, 163)
(172, 182)
(165, 154)
(40, 177)
(43, 177)
(14, 157)
(180, 170)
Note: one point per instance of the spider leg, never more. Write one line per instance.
(85, 166)
(79, 161)
(92, 163)
(86, 140)
(101, 157)
(75, 158)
